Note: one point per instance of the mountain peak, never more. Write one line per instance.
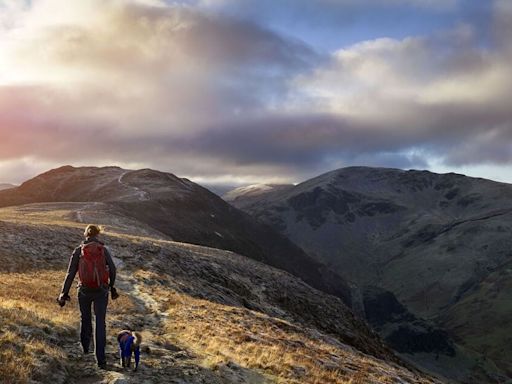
(254, 191)
(433, 244)
(110, 183)
(180, 209)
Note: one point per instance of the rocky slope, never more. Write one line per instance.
(178, 208)
(430, 253)
(206, 315)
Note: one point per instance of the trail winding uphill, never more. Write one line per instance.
(139, 192)
(160, 363)
(206, 315)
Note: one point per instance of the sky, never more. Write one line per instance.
(256, 91)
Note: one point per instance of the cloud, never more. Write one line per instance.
(444, 94)
(319, 7)
(330, 24)
(173, 56)
(207, 94)
(127, 74)
(21, 169)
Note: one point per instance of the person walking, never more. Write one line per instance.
(96, 274)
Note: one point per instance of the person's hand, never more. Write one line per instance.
(114, 293)
(62, 299)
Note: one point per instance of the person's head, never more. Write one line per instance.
(92, 230)
(136, 341)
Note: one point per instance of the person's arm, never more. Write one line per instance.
(72, 270)
(111, 268)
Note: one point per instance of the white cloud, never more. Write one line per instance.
(144, 67)
(19, 170)
(436, 4)
(377, 80)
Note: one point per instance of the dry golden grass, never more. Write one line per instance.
(25, 359)
(32, 325)
(34, 328)
(223, 334)
(219, 334)
(120, 308)
(35, 293)
(63, 217)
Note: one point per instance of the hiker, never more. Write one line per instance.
(96, 274)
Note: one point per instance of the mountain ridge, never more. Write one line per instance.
(251, 194)
(6, 186)
(431, 240)
(178, 208)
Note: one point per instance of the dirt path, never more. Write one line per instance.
(80, 212)
(160, 362)
(141, 194)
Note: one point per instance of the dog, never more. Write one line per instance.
(129, 343)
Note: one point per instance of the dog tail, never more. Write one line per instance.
(138, 338)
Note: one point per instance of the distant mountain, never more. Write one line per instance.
(180, 209)
(431, 253)
(218, 189)
(251, 194)
(6, 186)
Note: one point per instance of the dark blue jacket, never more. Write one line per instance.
(125, 340)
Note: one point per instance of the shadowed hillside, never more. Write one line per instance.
(430, 253)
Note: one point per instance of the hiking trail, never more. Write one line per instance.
(159, 363)
(141, 194)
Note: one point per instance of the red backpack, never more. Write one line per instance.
(92, 266)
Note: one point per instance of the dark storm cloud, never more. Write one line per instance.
(308, 141)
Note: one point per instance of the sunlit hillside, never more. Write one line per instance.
(206, 315)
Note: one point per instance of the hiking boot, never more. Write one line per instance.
(86, 349)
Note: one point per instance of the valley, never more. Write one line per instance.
(430, 254)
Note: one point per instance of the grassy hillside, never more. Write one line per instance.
(31, 326)
(179, 209)
(481, 321)
(206, 315)
(38, 337)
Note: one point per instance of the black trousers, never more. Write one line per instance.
(99, 299)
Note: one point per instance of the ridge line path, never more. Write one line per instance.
(81, 211)
(142, 195)
(161, 361)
